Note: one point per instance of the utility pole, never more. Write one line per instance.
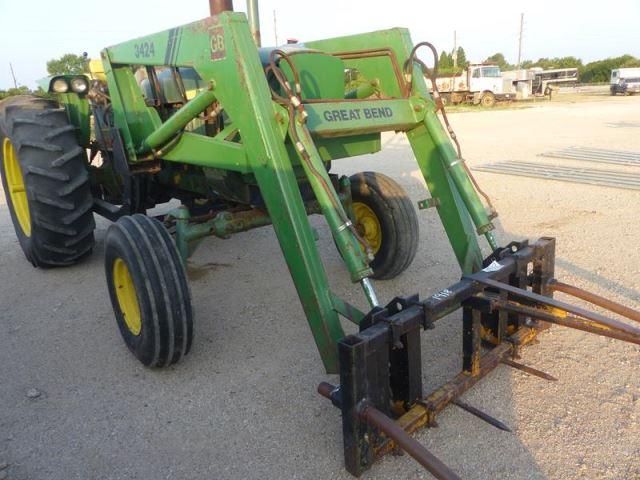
(275, 27)
(15, 83)
(520, 41)
(455, 50)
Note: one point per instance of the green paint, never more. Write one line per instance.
(254, 148)
(348, 118)
(77, 106)
(451, 209)
(79, 114)
(178, 121)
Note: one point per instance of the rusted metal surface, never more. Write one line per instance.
(414, 448)
(400, 437)
(577, 292)
(325, 389)
(424, 413)
(529, 298)
(624, 333)
(530, 370)
(440, 398)
(218, 6)
(482, 415)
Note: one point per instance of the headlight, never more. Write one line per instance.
(79, 85)
(60, 85)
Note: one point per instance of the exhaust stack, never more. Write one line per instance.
(254, 21)
(218, 6)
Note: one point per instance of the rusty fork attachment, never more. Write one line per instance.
(504, 306)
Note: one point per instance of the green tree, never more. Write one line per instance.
(551, 63)
(498, 58)
(569, 62)
(445, 65)
(445, 62)
(630, 63)
(22, 90)
(69, 63)
(600, 70)
(462, 58)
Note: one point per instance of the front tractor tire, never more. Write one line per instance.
(45, 181)
(384, 216)
(149, 290)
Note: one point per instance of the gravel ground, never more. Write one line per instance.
(74, 404)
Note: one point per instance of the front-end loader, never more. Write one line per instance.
(244, 137)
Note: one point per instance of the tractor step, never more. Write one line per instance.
(109, 210)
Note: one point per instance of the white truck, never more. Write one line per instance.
(479, 83)
(625, 81)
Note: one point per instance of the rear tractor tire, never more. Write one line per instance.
(149, 290)
(45, 181)
(384, 216)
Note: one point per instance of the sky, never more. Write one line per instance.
(34, 31)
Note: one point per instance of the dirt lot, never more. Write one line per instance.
(243, 403)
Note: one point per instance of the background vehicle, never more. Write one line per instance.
(479, 83)
(625, 81)
(544, 81)
(535, 82)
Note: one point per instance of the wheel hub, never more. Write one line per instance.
(368, 225)
(15, 184)
(126, 294)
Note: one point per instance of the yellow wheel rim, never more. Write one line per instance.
(126, 294)
(368, 225)
(15, 184)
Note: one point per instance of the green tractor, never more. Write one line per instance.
(244, 137)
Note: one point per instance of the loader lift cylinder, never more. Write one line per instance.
(178, 120)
